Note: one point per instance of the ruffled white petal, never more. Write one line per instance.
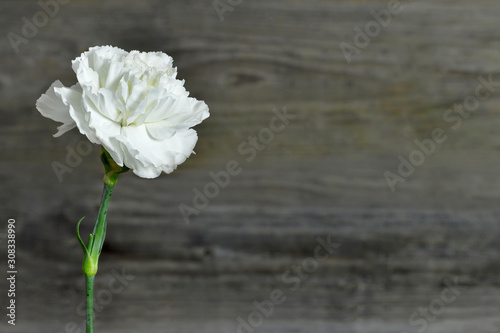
(160, 130)
(177, 111)
(137, 90)
(100, 67)
(105, 130)
(109, 105)
(150, 102)
(174, 115)
(173, 85)
(147, 60)
(72, 97)
(51, 106)
(157, 155)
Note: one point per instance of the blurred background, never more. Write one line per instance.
(373, 207)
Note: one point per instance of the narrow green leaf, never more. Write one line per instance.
(85, 251)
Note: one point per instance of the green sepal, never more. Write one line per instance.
(111, 168)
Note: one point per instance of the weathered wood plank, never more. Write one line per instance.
(322, 175)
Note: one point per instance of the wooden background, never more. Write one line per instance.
(323, 175)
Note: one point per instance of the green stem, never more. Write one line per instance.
(90, 302)
(99, 232)
(93, 250)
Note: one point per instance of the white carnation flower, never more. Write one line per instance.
(130, 103)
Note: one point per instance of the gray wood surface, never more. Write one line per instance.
(322, 176)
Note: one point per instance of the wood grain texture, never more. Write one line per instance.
(322, 175)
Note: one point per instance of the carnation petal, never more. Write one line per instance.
(164, 154)
(179, 112)
(99, 67)
(151, 102)
(137, 90)
(72, 97)
(87, 77)
(112, 75)
(109, 104)
(105, 130)
(147, 172)
(158, 60)
(51, 106)
(160, 130)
